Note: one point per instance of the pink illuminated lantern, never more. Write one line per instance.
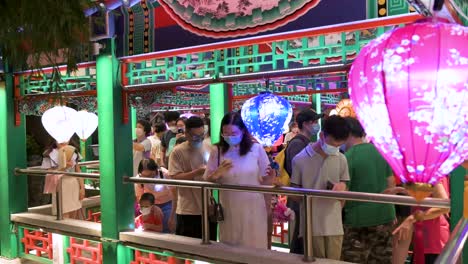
(409, 88)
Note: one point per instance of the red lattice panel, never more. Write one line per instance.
(151, 258)
(279, 229)
(84, 252)
(39, 241)
(94, 217)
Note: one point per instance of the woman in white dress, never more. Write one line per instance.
(65, 158)
(240, 161)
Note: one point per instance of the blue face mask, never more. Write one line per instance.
(233, 140)
(197, 144)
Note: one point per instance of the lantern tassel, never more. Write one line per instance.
(419, 191)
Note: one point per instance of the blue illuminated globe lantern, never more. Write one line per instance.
(265, 116)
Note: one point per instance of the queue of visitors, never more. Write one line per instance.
(327, 153)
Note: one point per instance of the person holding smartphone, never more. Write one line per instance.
(180, 125)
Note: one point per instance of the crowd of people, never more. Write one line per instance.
(327, 153)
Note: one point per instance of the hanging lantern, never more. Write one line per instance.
(58, 122)
(265, 116)
(85, 124)
(409, 88)
(344, 108)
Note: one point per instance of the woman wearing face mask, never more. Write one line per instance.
(293, 131)
(162, 194)
(240, 161)
(141, 145)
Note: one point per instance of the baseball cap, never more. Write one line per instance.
(307, 115)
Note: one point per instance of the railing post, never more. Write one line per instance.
(308, 250)
(205, 219)
(59, 199)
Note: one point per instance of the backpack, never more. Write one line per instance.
(283, 175)
(280, 158)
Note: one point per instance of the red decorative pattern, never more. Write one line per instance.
(39, 241)
(279, 229)
(91, 250)
(94, 217)
(255, 29)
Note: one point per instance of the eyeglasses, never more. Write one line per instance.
(197, 137)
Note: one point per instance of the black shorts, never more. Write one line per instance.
(191, 226)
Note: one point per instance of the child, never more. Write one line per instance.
(151, 218)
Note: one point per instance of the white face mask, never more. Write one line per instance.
(173, 129)
(139, 132)
(145, 211)
(330, 150)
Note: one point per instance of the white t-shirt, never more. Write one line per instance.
(139, 155)
(311, 171)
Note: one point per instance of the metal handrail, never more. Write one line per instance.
(80, 164)
(347, 195)
(59, 198)
(88, 163)
(306, 194)
(454, 247)
(42, 172)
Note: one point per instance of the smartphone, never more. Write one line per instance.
(330, 185)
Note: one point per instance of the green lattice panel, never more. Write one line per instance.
(383, 8)
(330, 99)
(84, 79)
(397, 7)
(296, 53)
(173, 68)
(292, 85)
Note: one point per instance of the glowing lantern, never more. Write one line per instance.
(409, 88)
(344, 108)
(58, 122)
(85, 124)
(265, 116)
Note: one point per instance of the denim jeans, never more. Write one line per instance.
(166, 208)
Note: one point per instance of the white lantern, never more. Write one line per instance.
(85, 124)
(58, 122)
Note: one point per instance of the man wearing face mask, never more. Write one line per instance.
(141, 145)
(171, 119)
(186, 162)
(307, 122)
(321, 166)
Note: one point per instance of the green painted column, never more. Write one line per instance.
(115, 153)
(220, 95)
(457, 178)
(13, 189)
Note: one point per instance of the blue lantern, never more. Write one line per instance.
(265, 116)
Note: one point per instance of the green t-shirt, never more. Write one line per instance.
(368, 172)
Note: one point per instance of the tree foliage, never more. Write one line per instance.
(35, 33)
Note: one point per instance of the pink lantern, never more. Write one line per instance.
(409, 88)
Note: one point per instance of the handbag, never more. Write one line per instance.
(215, 209)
